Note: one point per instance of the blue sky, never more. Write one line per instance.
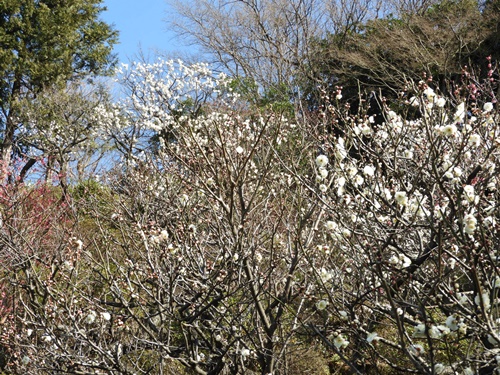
(141, 23)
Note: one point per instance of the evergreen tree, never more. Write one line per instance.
(45, 43)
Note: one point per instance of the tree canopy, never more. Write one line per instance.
(44, 43)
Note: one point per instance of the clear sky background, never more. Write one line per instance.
(141, 24)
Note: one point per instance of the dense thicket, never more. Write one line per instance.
(261, 220)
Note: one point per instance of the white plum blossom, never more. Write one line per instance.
(457, 172)
(106, 316)
(443, 330)
(400, 261)
(453, 323)
(489, 221)
(340, 151)
(46, 337)
(441, 102)
(469, 194)
(239, 149)
(419, 330)
(401, 198)
(79, 244)
(430, 94)
(92, 315)
(340, 342)
(408, 154)
(462, 298)
(369, 170)
(392, 116)
(483, 299)
(475, 140)
(331, 225)
(323, 172)
(439, 368)
(394, 260)
(405, 261)
(414, 101)
(448, 130)
(470, 224)
(488, 107)
(321, 305)
(434, 332)
(184, 199)
(325, 275)
(351, 170)
(163, 236)
(459, 112)
(322, 161)
(358, 180)
(366, 129)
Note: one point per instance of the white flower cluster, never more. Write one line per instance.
(321, 163)
(340, 341)
(453, 323)
(400, 261)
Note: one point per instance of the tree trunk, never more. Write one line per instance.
(8, 136)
